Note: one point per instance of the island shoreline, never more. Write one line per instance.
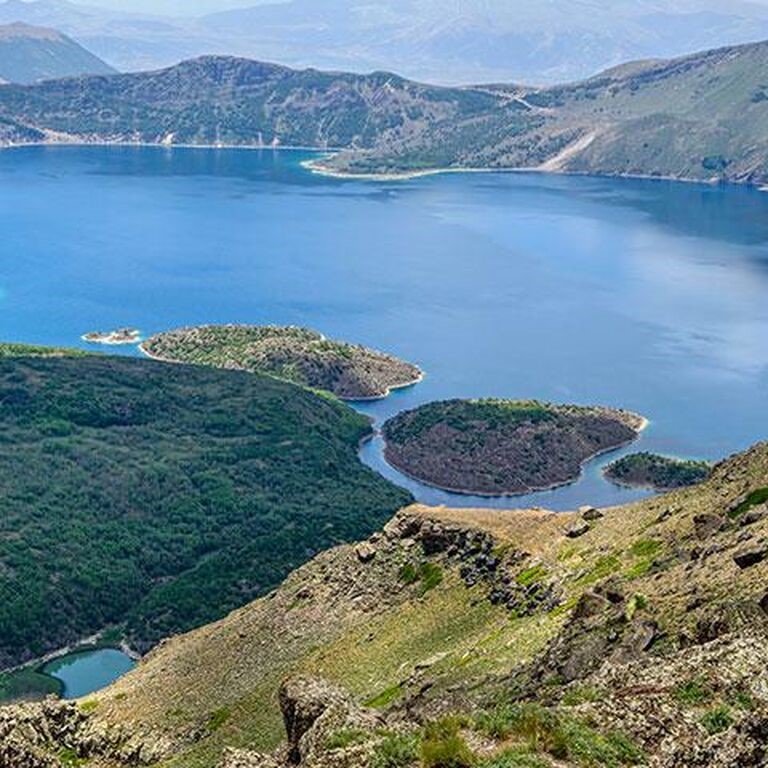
(644, 424)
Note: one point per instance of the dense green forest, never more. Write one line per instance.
(162, 496)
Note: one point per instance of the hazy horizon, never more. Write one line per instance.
(199, 7)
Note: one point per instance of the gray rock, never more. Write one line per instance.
(753, 516)
(707, 524)
(746, 558)
(590, 514)
(365, 552)
(590, 604)
(576, 530)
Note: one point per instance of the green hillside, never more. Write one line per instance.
(159, 497)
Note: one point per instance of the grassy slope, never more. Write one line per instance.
(163, 496)
(364, 627)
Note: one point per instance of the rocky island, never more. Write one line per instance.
(503, 447)
(299, 355)
(122, 336)
(662, 473)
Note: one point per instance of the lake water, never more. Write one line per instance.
(85, 672)
(648, 295)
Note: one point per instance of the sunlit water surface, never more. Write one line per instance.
(649, 295)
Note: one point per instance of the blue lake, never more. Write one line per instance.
(648, 295)
(85, 672)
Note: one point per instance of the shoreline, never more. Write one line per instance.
(643, 425)
(316, 168)
(319, 169)
(85, 645)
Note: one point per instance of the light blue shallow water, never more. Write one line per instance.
(648, 295)
(85, 672)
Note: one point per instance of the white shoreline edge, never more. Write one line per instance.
(316, 167)
(644, 424)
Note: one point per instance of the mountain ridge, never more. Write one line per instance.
(701, 117)
(29, 54)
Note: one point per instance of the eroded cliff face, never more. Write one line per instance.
(627, 634)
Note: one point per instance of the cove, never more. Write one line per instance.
(85, 672)
(647, 295)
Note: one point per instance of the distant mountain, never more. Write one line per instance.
(29, 54)
(467, 41)
(445, 41)
(703, 116)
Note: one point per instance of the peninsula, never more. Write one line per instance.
(662, 473)
(299, 355)
(503, 447)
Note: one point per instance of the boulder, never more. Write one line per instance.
(313, 710)
(590, 514)
(590, 604)
(365, 552)
(753, 516)
(576, 530)
(707, 524)
(750, 556)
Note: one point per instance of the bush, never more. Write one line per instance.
(563, 737)
(396, 750)
(218, 719)
(516, 758)
(692, 692)
(346, 737)
(429, 574)
(443, 746)
(717, 720)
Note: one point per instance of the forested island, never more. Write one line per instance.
(160, 497)
(503, 447)
(299, 355)
(662, 473)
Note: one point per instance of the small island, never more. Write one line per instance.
(299, 355)
(661, 473)
(114, 338)
(503, 447)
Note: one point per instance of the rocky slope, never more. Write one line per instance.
(604, 637)
(29, 54)
(700, 117)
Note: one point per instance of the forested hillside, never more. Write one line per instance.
(159, 497)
